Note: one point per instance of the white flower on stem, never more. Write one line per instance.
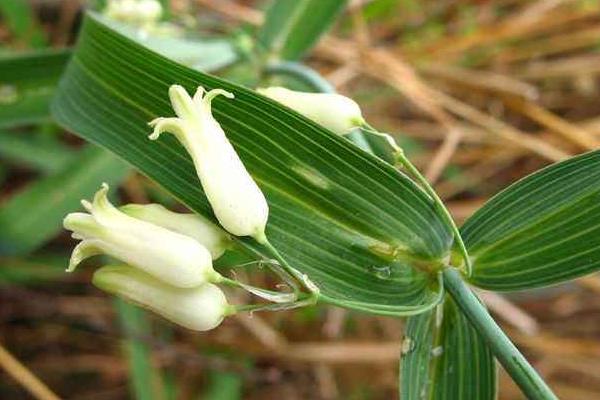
(200, 308)
(215, 239)
(236, 199)
(333, 111)
(173, 258)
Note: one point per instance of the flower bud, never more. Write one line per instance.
(215, 239)
(199, 308)
(135, 12)
(335, 112)
(236, 199)
(173, 258)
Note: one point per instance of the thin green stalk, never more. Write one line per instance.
(302, 73)
(300, 277)
(135, 325)
(441, 208)
(409, 166)
(524, 375)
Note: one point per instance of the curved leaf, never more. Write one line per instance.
(33, 216)
(27, 83)
(542, 230)
(444, 358)
(291, 28)
(334, 209)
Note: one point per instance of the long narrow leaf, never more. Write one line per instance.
(33, 216)
(334, 208)
(291, 28)
(44, 155)
(27, 83)
(543, 230)
(136, 327)
(444, 358)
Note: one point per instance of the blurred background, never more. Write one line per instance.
(479, 93)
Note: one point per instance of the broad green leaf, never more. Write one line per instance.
(331, 204)
(291, 28)
(44, 155)
(542, 230)
(34, 215)
(27, 83)
(444, 358)
(203, 54)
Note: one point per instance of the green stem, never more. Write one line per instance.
(441, 208)
(300, 277)
(524, 375)
(302, 73)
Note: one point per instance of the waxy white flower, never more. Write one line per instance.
(333, 111)
(236, 199)
(199, 308)
(141, 13)
(174, 258)
(215, 239)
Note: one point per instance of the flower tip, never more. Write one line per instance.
(87, 205)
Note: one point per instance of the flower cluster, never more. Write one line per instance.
(166, 258)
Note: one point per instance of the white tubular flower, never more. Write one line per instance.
(215, 239)
(335, 112)
(201, 308)
(236, 199)
(173, 258)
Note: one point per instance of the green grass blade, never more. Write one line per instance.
(542, 230)
(292, 28)
(34, 215)
(136, 327)
(330, 202)
(224, 386)
(43, 155)
(32, 270)
(444, 358)
(20, 20)
(27, 83)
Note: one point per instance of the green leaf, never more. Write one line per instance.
(19, 17)
(34, 215)
(203, 54)
(541, 230)
(292, 28)
(444, 358)
(380, 144)
(331, 204)
(224, 386)
(136, 327)
(44, 155)
(27, 83)
(32, 270)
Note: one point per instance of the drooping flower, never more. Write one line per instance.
(215, 239)
(173, 258)
(333, 111)
(236, 199)
(200, 308)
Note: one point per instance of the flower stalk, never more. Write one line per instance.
(524, 375)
